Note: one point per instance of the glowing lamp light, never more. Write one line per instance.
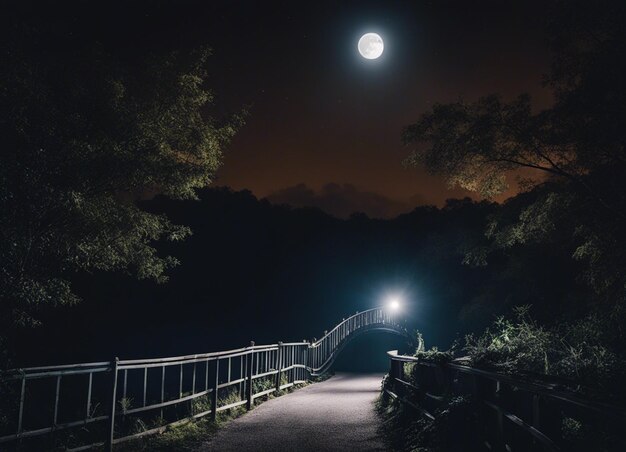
(394, 304)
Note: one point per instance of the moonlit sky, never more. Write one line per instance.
(323, 115)
(325, 123)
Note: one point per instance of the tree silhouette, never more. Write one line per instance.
(85, 134)
(575, 201)
(474, 145)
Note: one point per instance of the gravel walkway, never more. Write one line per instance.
(336, 414)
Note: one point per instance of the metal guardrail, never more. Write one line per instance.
(323, 352)
(518, 414)
(132, 388)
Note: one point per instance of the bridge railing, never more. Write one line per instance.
(108, 397)
(124, 399)
(323, 351)
(515, 413)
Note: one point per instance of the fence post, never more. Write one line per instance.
(393, 373)
(216, 383)
(109, 440)
(498, 396)
(242, 374)
(279, 365)
(400, 376)
(249, 387)
(305, 360)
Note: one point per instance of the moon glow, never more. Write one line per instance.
(371, 46)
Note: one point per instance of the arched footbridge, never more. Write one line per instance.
(322, 353)
(109, 399)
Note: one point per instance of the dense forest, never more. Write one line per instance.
(254, 262)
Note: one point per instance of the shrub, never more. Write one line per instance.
(512, 345)
(579, 351)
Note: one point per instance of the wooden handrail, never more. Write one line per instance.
(491, 396)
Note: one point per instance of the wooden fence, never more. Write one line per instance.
(514, 414)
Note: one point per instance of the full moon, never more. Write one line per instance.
(371, 46)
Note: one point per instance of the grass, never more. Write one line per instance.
(186, 437)
(191, 435)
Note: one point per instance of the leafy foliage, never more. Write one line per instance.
(512, 346)
(85, 134)
(578, 351)
(573, 154)
(433, 354)
(475, 144)
(571, 210)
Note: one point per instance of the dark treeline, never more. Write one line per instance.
(252, 270)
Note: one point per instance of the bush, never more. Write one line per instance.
(579, 351)
(434, 355)
(512, 345)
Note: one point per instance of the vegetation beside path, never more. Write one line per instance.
(191, 435)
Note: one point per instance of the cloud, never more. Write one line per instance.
(342, 200)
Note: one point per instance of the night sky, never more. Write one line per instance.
(325, 124)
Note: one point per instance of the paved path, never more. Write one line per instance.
(337, 414)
